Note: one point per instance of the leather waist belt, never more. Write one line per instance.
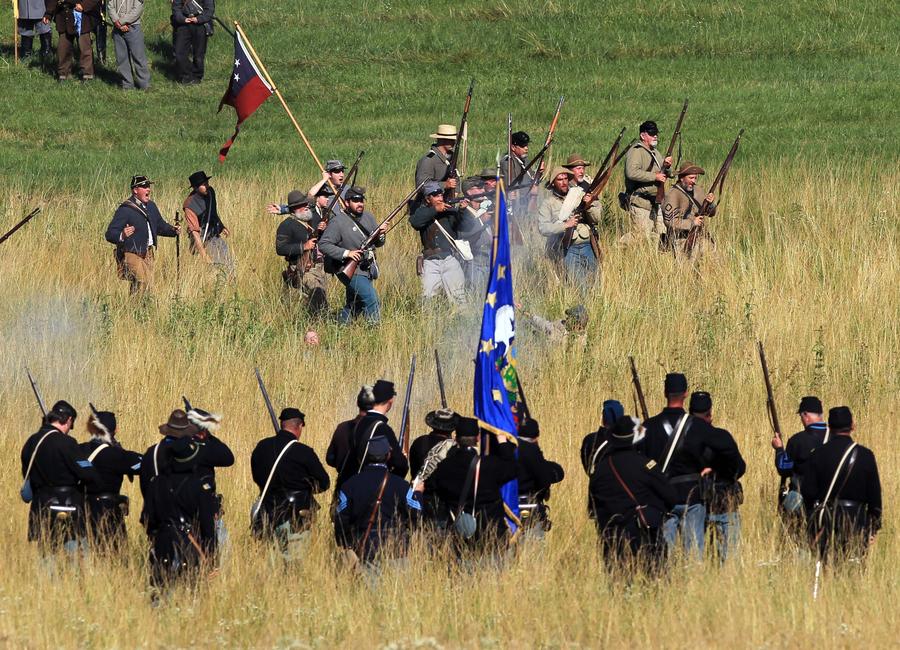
(684, 478)
(847, 503)
(435, 254)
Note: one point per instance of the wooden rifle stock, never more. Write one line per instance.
(636, 380)
(696, 231)
(453, 166)
(375, 508)
(349, 269)
(9, 233)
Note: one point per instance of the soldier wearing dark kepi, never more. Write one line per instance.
(681, 208)
(685, 448)
(375, 508)
(438, 225)
(296, 240)
(204, 225)
(288, 474)
(56, 473)
(476, 229)
(724, 493)
(790, 460)
(535, 475)
(643, 170)
(594, 443)
(106, 507)
(334, 173)
(512, 165)
(375, 423)
(469, 484)
(630, 498)
(347, 231)
(179, 516)
(842, 492)
(135, 229)
(435, 165)
(340, 448)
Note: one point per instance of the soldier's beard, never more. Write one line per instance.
(303, 215)
(654, 142)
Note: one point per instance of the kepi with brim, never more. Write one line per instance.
(675, 384)
(442, 420)
(810, 404)
(378, 449)
(139, 180)
(840, 418)
(530, 428)
(334, 166)
(520, 139)
(383, 390)
(701, 402)
(292, 413)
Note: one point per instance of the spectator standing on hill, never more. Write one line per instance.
(128, 40)
(30, 23)
(192, 26)
(74, 21)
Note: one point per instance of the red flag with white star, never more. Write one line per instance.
(247, 90)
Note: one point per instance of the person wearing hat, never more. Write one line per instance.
(724, 493)
(557, 214)
(477, 219)
(105, 506)
(438, 225)
(577, 165)
(375, 423)
(296, 240)
(686, 448)
(56, 473)
(288, 474)
(791, 460)
(842, 492)
(480, 495)
(630, 498)
(179, 516)
(426, 453)
(643, 170)
(435, 165)
(213, 454)
(332, 178)
(375, 508)
(681, 208)
(340, 448)
(135, 230)
(535, 475)
(342, 241)
(488, 178)
(153, 462)
(594, 443)
(512, 165)
(205, 227)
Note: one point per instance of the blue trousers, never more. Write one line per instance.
(360, 299)
(690, 521)
(580, 262)
(727, 529)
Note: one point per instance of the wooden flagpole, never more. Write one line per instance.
(287, 109)
(16, 29)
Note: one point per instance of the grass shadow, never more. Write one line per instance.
(163, 55)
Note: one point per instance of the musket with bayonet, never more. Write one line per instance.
(667, 167)
(547, 142)
(404, 419)
(636, 381)
(516, 184)
(265, 395)
(716, 189)
(9, 233)
(37, 393)
(771, 409)
(453, 162)
(349, 269)
(595, 190)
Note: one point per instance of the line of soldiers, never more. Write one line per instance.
(667, 483)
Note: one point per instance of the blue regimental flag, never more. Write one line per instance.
(496, 384)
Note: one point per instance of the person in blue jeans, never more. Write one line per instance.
(344, 240)
(721, 485)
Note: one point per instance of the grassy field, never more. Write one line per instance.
(808, 261)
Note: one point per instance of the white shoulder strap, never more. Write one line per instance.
(96, 451)
(674, 441)
(155, 463)
(262, 495)
(594, 457)
(838, 471)
(34, 453)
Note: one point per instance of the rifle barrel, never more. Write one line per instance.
(37, 393)
(265, 394)
(404, 420)
(440, 378)
(636, 380)
(9, 233)
(770, 396)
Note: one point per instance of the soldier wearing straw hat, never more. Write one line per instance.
(435, 165)
(681, 208)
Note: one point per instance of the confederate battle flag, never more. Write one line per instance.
(247, 90)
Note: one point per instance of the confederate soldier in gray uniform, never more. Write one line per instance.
(438, 223)
(643, 169)
(519, 192)
(30, 14)
(341, 242)
(296, 241)
(435, 165)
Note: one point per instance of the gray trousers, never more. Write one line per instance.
(130, 50)
(444, 275)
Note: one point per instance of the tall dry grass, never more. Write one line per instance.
(807, 261)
